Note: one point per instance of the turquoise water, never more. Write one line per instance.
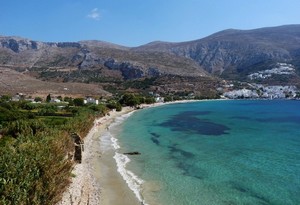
(216, 152)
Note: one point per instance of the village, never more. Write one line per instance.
(256, 91)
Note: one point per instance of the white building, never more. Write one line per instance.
(91, 100)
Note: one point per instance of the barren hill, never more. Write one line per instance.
(15, 82)
(229, 54)
(237, 50)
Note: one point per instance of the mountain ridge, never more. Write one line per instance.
(263, 43)
(229, 54)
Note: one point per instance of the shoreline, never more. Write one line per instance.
(97, 180)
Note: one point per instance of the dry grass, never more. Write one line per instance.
(12, 82)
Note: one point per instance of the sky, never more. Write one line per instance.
(137, 22)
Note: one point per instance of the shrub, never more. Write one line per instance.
(78, 102)
(33, 169)
(114, 105)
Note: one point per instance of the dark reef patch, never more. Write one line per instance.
(155, 134)
(189, 121)
(175, 151)
(260, 198)
(155, 141)
(155, 138)
(186, 163)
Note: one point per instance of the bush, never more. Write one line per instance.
(24, 127)
(114, 105)
(129, 100)
(47, 110)
(98, 108)
(149, 100)
(33, 169)
(38, 99)
(78, 102)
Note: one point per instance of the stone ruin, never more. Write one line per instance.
(78, 147)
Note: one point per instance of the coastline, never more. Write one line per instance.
(98, 180)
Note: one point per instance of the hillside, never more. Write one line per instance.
(12, 82)
(230, 54)
(108, 59)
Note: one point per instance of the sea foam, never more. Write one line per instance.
(133, 181)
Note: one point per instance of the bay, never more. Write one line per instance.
(215, 152)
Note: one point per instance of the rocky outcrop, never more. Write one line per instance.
(18, 45)
(129, 71)
(132, 153)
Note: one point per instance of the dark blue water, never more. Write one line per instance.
(216, 152)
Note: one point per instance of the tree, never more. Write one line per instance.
(48, 99)
(129, 100)
(78, 102)
(38, 99)
(69, 100)
(5, 98)
(114, 105)
(47, 110)
(149, 100)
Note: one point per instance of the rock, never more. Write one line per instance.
(128, 70)
(132, 153)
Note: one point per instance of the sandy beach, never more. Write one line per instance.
(97, 180)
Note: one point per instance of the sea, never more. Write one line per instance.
(223, 152)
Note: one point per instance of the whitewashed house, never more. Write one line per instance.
(91, 100)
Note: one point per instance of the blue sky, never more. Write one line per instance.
(137, 22)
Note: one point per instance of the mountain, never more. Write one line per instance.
(109, 60)
(237, 51)
(229, 54)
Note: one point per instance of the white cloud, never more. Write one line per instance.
(94, 14)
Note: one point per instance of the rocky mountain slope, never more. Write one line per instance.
(230, 54)
(236, 51)
(107, 59)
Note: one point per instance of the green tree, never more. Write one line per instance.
(48, 99)
(168, 99)
(48, 110)
(78, 102)
(5, 98)
(114, 105)
(129, 100)
(149, 100)
(38, 99)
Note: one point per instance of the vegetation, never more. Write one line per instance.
(135, 100)
(34, 145)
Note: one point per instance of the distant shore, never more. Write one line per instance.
(96, 180)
